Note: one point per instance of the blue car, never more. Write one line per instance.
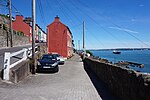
(48, 62)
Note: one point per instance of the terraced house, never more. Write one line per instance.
(59, 38)
(23, 25)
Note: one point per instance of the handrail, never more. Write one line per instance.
(7, 56)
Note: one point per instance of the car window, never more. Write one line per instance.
(48, 57)
(56, 55)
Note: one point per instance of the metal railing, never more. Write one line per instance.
(25, 53)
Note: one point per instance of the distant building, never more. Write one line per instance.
(20, 25)
(59, 38)
(24, 25)
(40, 35)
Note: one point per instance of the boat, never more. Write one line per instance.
(116, 52)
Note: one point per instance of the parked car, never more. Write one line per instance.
(48, 62)
(60, 58)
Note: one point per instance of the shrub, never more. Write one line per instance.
(88, 51)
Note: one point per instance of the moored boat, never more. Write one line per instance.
(116, 52)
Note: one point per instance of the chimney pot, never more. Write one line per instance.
(57, 18)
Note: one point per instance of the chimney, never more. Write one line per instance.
(28, 20)
(57, 19)
(19, 17)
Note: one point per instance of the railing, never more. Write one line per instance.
(25, 53)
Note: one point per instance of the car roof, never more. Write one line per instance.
(46, 54)
(53, 53)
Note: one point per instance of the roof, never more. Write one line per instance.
(69, 31)
(40, 28)
(62, 24)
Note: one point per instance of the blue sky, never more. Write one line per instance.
(108, 23)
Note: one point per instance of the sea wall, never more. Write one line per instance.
(125, 83)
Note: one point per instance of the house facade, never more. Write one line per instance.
(40, 35)
(59, 38)
(23, 25)
(20, 25)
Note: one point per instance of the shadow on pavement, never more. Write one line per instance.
(100, 86)
(46, 72)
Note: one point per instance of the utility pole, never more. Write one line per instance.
(33, 37)
(10, 17)
(83, 37)
(84, 52)
(7, 37)
(78, 44)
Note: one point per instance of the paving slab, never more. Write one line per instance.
(70, 83)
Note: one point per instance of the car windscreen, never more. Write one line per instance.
(56, 55)
(46, 57)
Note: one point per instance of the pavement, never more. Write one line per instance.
(72, 82)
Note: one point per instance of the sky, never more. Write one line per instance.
(108, 23)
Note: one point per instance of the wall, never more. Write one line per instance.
(57, 38)
(20, 25)
(17, 39)
(69, 44)
(4, 34)
(124, 83)
(23, 69)
(20, 71)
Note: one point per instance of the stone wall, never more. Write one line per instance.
(18, 39)
(126, 84)
(20, 71)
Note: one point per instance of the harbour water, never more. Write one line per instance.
(137, 56)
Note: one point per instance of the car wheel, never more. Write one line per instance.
(56, 69)
(37, 70)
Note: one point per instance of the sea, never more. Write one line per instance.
(137, 56)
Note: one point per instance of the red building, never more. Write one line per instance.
(20, 25)
(59, 38)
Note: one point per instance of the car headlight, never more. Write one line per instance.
(54, 64)
(38, 63)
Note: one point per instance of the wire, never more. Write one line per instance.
(16, 10)
(118, 26)
(41, 11)
(67, 15)
(96, 22)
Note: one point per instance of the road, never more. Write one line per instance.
(70, 83)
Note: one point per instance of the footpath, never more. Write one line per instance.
(71, 83)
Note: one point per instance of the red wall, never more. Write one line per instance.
(20, 25)
(58, 37)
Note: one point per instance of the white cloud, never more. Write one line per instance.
(133, 20)
(123, 29)
(141, 5)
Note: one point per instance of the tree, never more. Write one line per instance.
(88, 51)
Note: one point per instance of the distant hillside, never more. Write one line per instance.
(121, 49)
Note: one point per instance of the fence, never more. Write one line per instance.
(25, 52)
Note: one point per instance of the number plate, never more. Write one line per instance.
(46, 67)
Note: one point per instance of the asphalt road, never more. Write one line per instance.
(70, 83)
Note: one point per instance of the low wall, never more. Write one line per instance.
(20, 71)
(126, 84)
(23, 69)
